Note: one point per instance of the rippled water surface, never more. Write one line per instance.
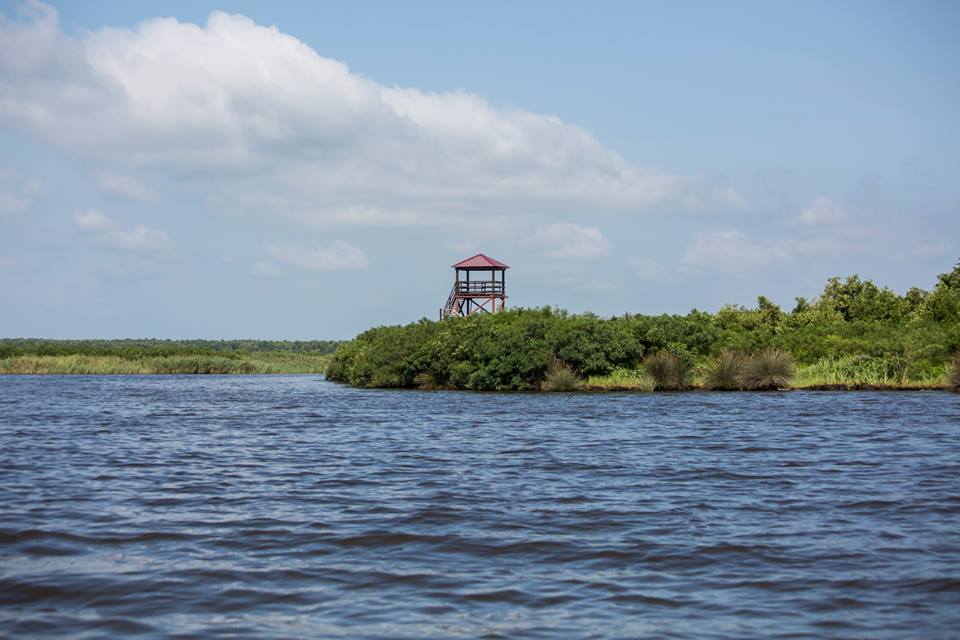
(287, 506)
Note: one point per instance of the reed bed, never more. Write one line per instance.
(263, 362)
(865, 372)
(621, 380)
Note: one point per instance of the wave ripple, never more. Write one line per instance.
(284, 506)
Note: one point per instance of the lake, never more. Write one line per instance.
(286, 506)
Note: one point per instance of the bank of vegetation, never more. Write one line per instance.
(36, 356)
(855, 335)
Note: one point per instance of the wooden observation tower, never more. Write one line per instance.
(483, 293)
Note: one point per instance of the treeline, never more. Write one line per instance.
(133, 349)
(853, 330)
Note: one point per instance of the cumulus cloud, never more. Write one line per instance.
(572, 241)
(106, 231)
(91, 220)
(929, 249)
(648, 269)
(730, 251)
(11, 203)
(822, 211)
(249, 109)
(17, 194)
(125, 186)
(267, 270)
(340, 256)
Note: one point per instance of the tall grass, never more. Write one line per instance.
(560, 377)
(864, 371)
(669, 371)
(621, 380)
(261, 362)
(723, 373)
(768, 370)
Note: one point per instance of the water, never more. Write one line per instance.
(285, 506)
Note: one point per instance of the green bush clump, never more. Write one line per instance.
(723, 373)
(768, 370)
(669, 371)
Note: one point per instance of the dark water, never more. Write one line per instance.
(287, 506)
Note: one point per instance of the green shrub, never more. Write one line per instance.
(723, 374)
(668, 371)
(904, 339)
(426, 382)
(768, 370)
(560, 377)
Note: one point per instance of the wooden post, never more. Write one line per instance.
(503, 281)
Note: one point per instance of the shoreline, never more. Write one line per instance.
(586, 389)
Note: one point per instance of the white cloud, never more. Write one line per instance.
(571, 241)
(106, 232)
(11, 203)
(376, 217)
(648, 269)
(16, 193)
(822, 211)
(239, 107)
(730, 251)
(929, 250)
(340, 256)
(267, 270)
(140, 237)
(91, 220)
(125, 186)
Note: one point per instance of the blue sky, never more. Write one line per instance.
(305, 170)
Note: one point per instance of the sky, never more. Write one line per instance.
(300, 170)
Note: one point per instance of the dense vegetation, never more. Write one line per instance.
(854, 334)
(163, 356)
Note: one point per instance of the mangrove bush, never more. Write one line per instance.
(852, 324)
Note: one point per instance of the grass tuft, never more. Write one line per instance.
(768, 370)
(953, 375)
(560, 377)
(723, 374)
(668, 371)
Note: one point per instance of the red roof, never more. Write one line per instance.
(480, 261)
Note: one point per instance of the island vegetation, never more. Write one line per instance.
(854, 335)
(36, 356)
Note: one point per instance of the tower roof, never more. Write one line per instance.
(480, 261)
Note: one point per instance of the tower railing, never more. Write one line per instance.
(477, 287)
